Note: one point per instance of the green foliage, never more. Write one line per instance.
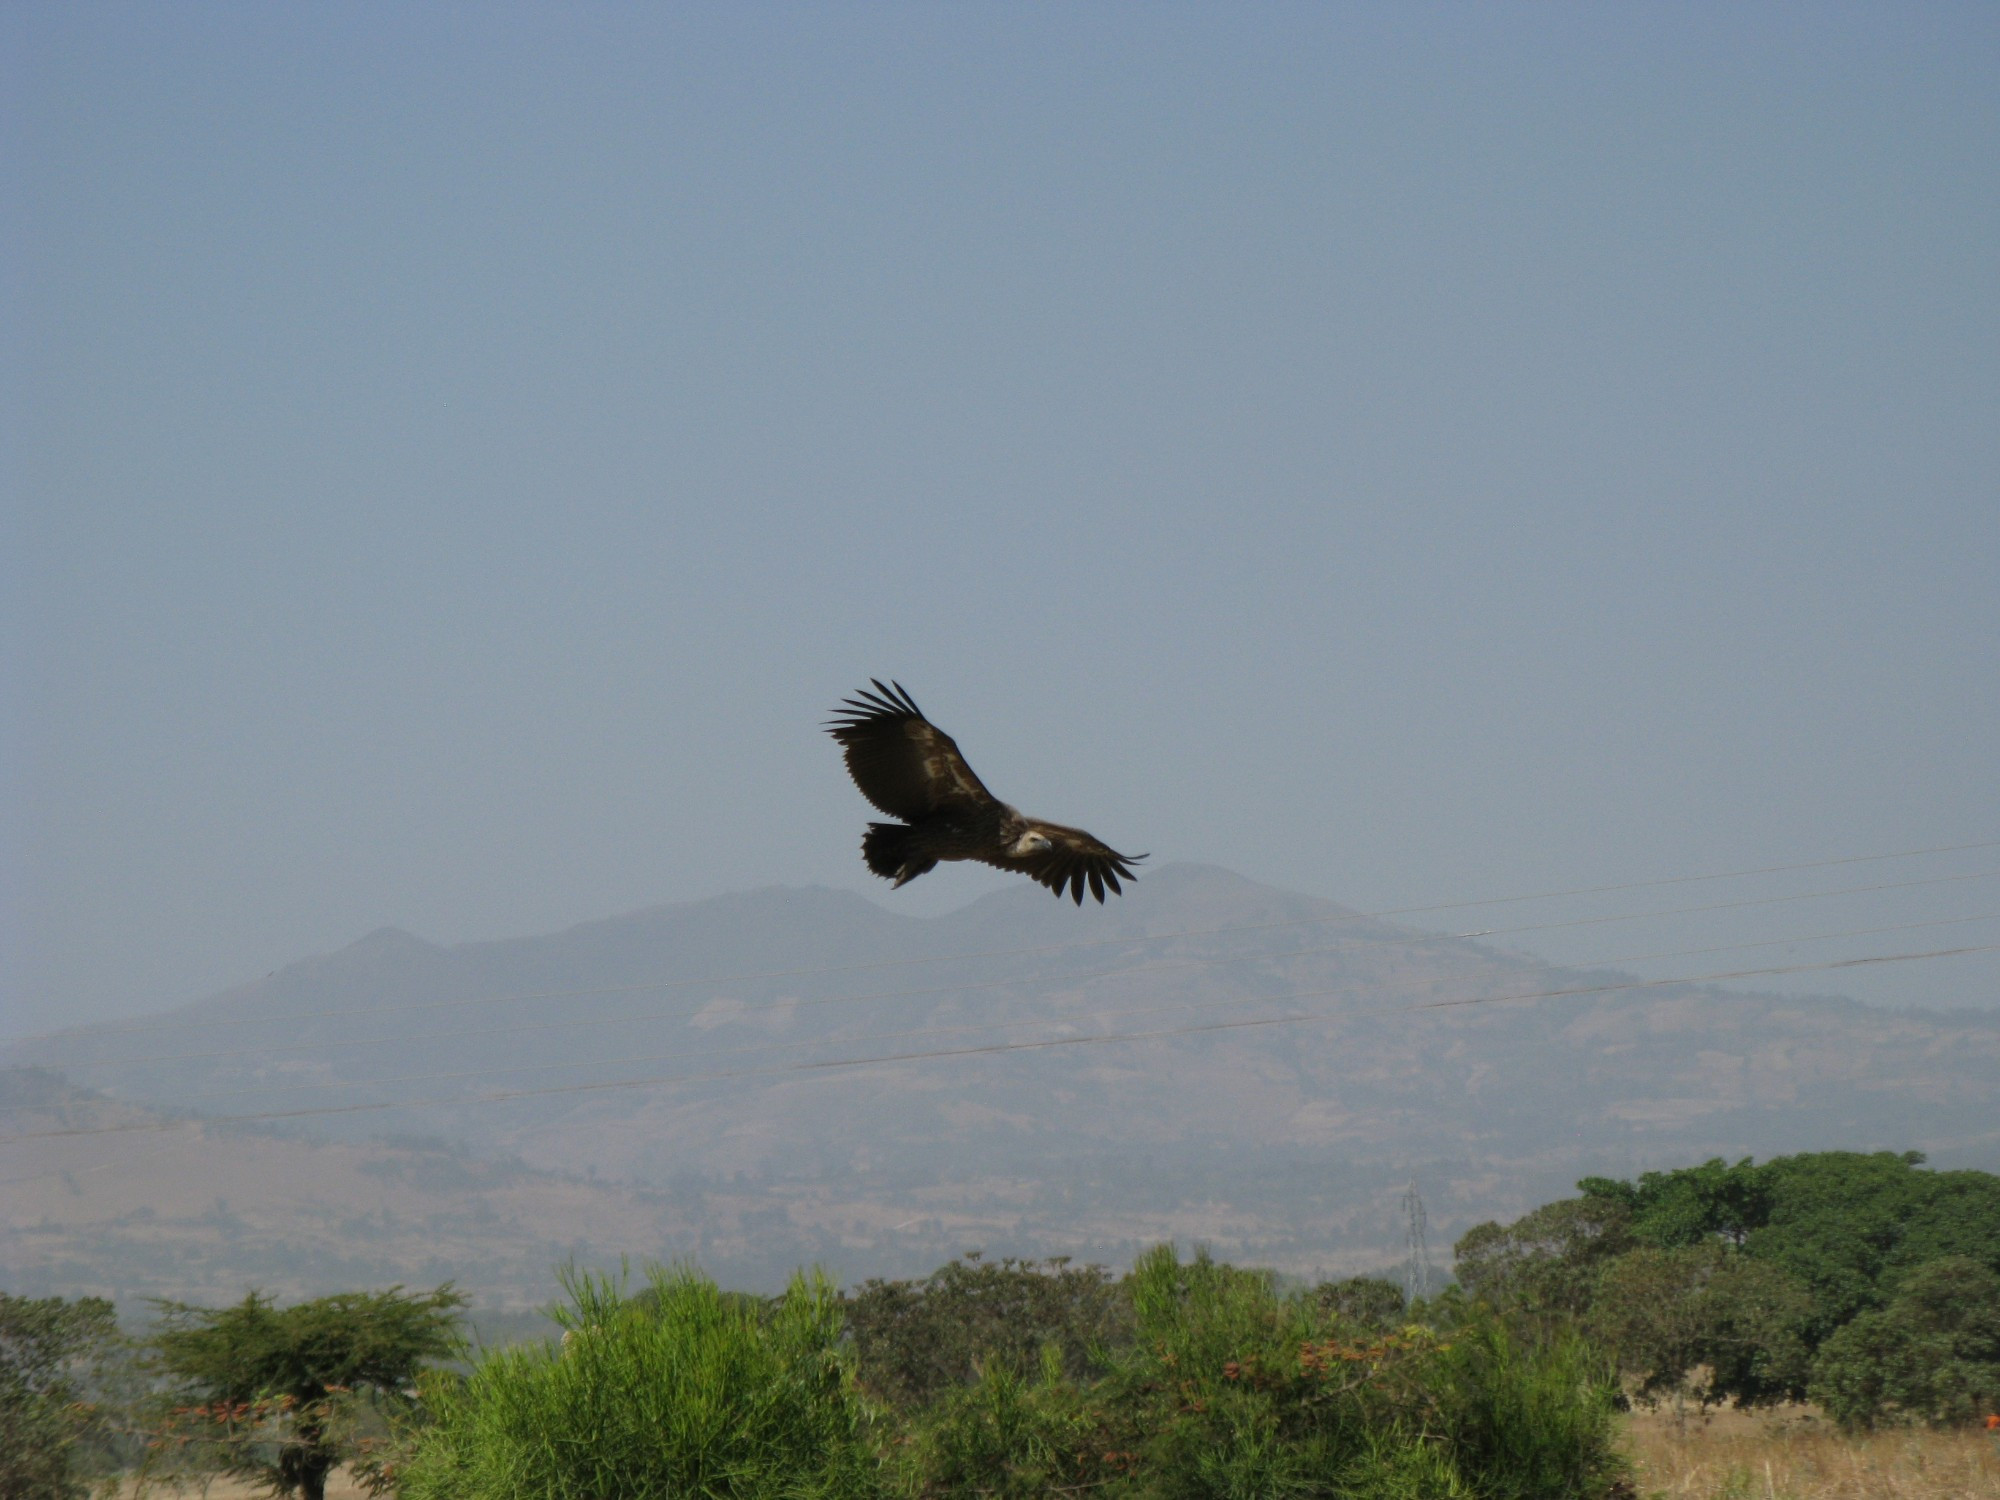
(1009, 1435)
(915, 1340)
(1545, 1265)
(1704, 1306)
(1363, 1302)
(1526, 1419)
(47, 1346)
(1848, 1225)
(1236, 1397)
(1932, 1356)
(1853, 1226)
(1692, 1204)
(1231, 1389)
(1731, 1280)
(279, 1395)
(1218, 1385)
(695, 1393)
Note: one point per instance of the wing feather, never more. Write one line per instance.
(1074, 859)
(903, 763)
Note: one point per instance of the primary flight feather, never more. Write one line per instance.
(911, 769)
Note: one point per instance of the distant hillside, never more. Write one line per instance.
(204, 1211)
(1287, 1143)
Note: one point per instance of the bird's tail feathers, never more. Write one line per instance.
(890, 852)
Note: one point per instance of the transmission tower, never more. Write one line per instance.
(1417, 1260)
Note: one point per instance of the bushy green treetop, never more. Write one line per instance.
(1685, 1207)
(1848, 1225)
(1931, 1356)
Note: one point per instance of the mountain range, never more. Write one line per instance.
(792, 1075)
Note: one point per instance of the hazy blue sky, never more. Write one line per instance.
(455, 456)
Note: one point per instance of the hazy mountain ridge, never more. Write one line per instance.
(1287, 1142)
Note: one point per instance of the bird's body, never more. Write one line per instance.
(911, 769)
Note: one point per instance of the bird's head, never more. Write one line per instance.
(1031, 842)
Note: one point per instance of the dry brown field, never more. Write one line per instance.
(1725, 1455)
(1792, 1454)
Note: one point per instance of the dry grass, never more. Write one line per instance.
(1792, 1454)
(1728, 1455)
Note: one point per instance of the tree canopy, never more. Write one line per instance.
(1855, 1274)
(1849, 1225)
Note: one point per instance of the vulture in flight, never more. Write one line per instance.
(910, 769)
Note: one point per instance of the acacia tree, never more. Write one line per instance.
(265, 1389)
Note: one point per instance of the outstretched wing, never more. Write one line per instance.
(903, 763)
(1072, 858)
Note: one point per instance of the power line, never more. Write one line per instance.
(985, 1049)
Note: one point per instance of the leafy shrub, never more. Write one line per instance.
(1013, 1437)
(698, 1394)
(1244, 1392)
(1526, 1420)
(1220, 1386)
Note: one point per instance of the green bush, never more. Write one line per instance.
(1233, 1389)
(1525, 1420)
(696, 1394)
(1221, 1386)
(1015, 1437)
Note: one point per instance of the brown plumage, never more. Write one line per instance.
(910, 769)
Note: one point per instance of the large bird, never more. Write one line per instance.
(910, 769)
